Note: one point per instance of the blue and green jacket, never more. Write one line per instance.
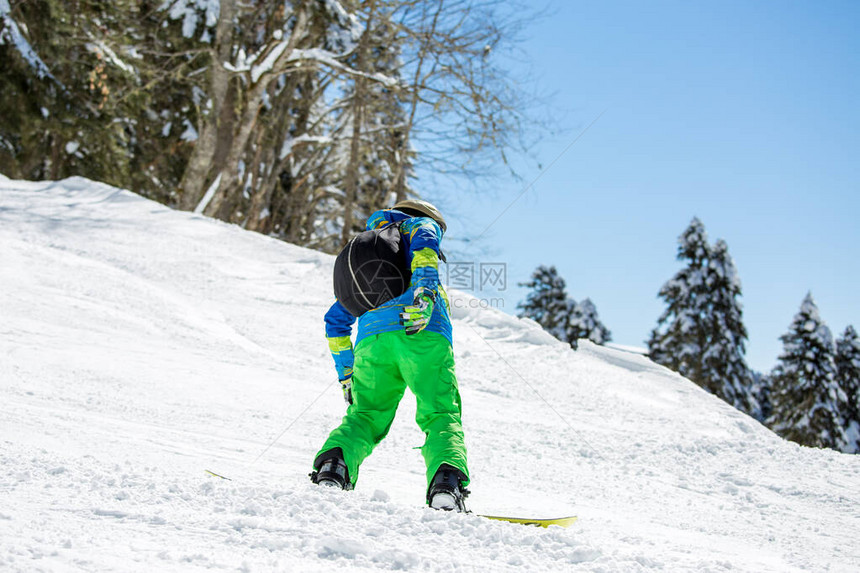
(421, 237)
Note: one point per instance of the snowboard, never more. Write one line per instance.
(560, 521)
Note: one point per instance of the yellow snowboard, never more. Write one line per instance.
(560, 521)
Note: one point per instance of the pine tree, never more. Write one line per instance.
(806, 395)
(583, 322)
(568, 320)
(680, 338)
(760, 390)
(547, 303)
(64, 101)
(724, 369)
(701, 334)
(848, 372)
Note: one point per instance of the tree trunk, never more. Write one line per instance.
(351, 179)
(230, 187)
(417, 81)
(261, 199)
(198, 172)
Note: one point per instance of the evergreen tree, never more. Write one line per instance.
(701, 334)
(848, 372)
(806, 396)
(680, 339)
(64, 89)
(583, 322)
(568, 320)
(724, 369)
(547, 303)
(760, 390)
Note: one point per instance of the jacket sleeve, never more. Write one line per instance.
(424, 237)
(338, 321)
(338, 329)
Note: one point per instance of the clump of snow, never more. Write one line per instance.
(190, 133)
(192, 12)
(268, 63)
(133, 360)
(207, 197)
(105, 50)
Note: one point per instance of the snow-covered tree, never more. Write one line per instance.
(701, 334)
(680, 339)
(724, 369)
(66, 89)
(547, 303)
(806, 396)
(568, 320)
(760, 389)
(583, 322)
(295, 119)
(848, 372)
(372, 120)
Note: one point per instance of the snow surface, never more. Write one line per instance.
(141, 346)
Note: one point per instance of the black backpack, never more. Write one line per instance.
(371, 270)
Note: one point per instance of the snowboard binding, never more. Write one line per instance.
(446, 491)
(331, 470)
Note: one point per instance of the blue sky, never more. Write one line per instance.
(744, 114)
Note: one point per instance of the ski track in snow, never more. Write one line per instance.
(140, 346)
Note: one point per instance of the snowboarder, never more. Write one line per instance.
(403, 342)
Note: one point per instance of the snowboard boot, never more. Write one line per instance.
(331, 470)
(446, 491)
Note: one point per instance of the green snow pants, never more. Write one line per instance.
(385, 364)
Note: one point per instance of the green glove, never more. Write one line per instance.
(415, 317)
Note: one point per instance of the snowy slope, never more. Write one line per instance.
(140, 346)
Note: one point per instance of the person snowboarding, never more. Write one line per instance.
(403, 340)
